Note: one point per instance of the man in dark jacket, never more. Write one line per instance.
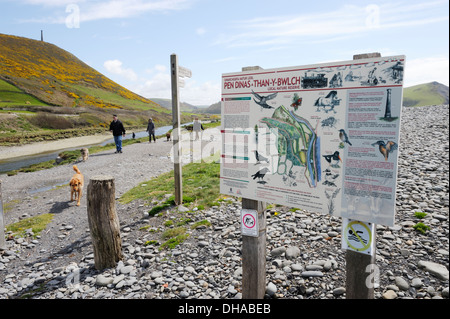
(151, 130)
(116, 127)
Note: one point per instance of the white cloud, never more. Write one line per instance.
(157, 84)
(425, 70)
(115, 67)
(106, 9)
(348, 20)
(205, 93)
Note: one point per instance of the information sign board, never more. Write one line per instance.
(320, 137)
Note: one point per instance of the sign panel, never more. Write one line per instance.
(319, 137)
(358, 236)
(249, 222)
(184, 72)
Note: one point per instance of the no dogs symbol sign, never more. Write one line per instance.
(249, 222)
(357, 236)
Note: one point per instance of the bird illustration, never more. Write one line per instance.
(263, 99)
(330, 178)
(333, 159)
(261, 173)
(344, 137)
(386, 148)
(260, 158)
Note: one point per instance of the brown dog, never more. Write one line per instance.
(76, 185)
(84, 154)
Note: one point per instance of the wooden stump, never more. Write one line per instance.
(103, 222)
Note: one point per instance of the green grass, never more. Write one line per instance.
(420, 215)
(200, 185)
(13, 96)
(204, 222)
(174, 236)
(36, 223)
(421, 227)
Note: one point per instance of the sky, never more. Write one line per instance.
(131, 41)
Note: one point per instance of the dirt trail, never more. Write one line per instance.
(31, 194)
(8, 152)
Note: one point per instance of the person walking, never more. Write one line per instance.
(117, 129)
(197, 127)
(151, 130)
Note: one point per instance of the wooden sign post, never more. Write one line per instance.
(254, 248)
(176, 131)
(176, 72)
(356, 262)
(2, 224)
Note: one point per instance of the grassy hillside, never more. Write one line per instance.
(432, 93)
(38, 78)
(57, 77)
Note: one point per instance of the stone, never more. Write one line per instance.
(278, 251)
(126, 269)
(390, 294)
(271, 289)
(436, 269)
(292, 252)
(312, 273)
(401, 283)
(339, 291)
(417, 283)
(102, 280)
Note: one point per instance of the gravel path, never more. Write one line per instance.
(304, 256)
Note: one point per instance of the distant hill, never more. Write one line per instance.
(432, 93)
(214, 108)
(51, 76)
(185, 107)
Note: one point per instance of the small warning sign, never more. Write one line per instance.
(357, 236)
(249, 222)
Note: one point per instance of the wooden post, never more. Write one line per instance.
(176, 132)
(357, 263)
(254, 248)
(254, 255)
(103, 222)
(2, 223)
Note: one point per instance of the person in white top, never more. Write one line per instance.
(198, 127)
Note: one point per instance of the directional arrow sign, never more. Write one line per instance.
(184, 73)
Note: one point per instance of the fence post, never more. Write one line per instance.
(2, 223)
(357, 263)
(254, 248)
(103, 222)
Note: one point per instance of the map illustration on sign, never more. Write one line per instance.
(319, 137)
(298, 144)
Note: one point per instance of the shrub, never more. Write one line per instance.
(421, 227)
(420, 215)
(51, 121)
